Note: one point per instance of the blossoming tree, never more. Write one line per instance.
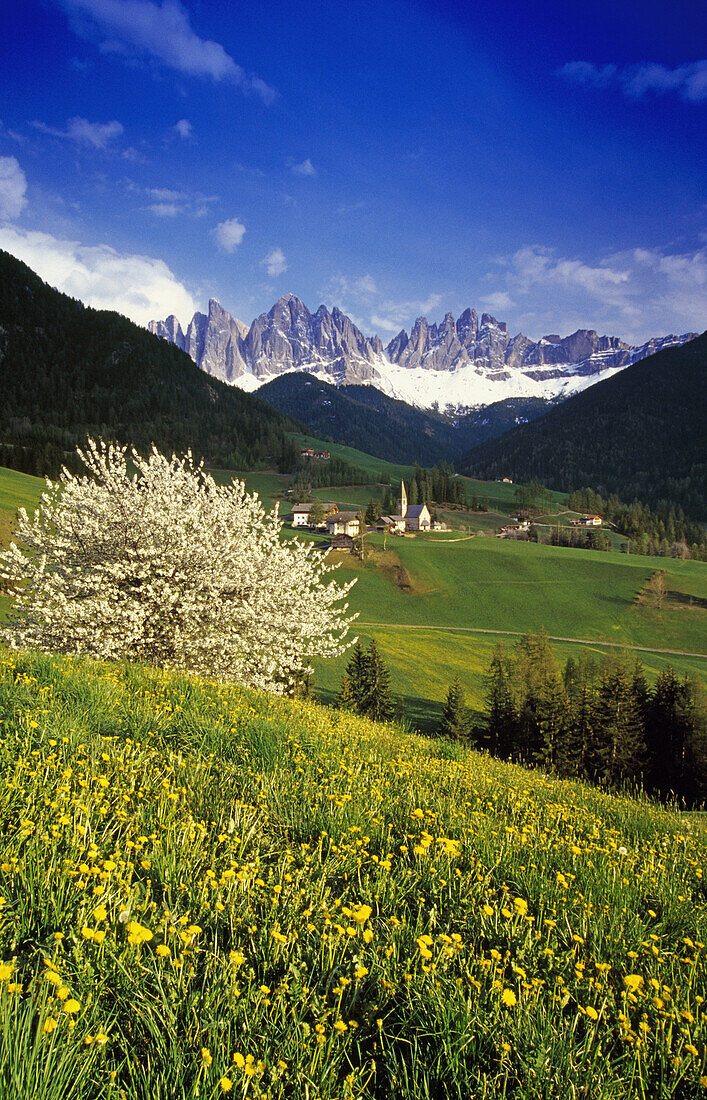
(149, 559)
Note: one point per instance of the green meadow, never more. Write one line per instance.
(425, 598)
(209, 892)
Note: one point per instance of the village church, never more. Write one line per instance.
(409, 517)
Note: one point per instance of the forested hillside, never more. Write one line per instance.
(66, 371)
(640, 435)
(365, 418)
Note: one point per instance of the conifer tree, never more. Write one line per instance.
(502, 718)
(620, 741)
(377, 698)
(352, 690)
(455, 716)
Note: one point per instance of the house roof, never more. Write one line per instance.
(308, 507)
(342, 517)
(415, 511)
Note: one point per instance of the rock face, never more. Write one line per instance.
(460, 362)
(287, 338)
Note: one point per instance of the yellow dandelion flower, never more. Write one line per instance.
(71, 1006)
(368, 935)
(238, 1060)
(100, 913)
(206, 1056)
(508, 998)
(591, 1013)
(225, 1084)
(633, 982)
(340, 1026)
(162, 950)
(6, 971)
(361, 915)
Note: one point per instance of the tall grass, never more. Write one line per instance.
(208, 891)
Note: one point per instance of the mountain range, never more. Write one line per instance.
(640, 435)
(463, 363)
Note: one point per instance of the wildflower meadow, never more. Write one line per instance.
(208, 891)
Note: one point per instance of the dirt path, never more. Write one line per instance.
(551, 637)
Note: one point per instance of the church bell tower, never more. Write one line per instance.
(403, 509)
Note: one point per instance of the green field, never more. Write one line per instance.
(437, 582)
(208, 891)
(432, 583)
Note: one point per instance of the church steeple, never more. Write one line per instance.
(403, 510)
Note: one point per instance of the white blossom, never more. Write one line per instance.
(149, 559)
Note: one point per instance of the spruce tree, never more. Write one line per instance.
(501, 715)
(377, 697)
(455, 716)
(352, 690)
(620, 738)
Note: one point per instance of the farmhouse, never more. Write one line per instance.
(395, 524)
(587, 521)
(301, 513)
(309, 452)
(342, 542)
(344, 523)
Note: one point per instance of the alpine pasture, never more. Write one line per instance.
(207, 891)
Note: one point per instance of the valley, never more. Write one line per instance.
(438, 604)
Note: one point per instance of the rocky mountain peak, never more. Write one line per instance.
(463, 362)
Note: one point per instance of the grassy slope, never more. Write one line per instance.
(518, 932)
(483, 583)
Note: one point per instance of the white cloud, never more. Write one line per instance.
(13, 185)
(305, 168)
(275, 263)
(361, 289)
(498, 301)
(141, 287)
(688, 81)
(385, 324)
(184, 128)
(635, 294)
(163, 31)
(99, 135)
(229, 234)
(165, 194)
(164, 209)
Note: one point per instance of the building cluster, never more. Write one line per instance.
(309, 452)
(345, 526)
(587, 521)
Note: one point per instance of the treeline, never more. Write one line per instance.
(638, 434)
(579, 538)
(67, 371)
(663, 532)
(310, 475)
(596, 721)
(440, 485)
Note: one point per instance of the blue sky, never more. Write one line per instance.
(544, 162)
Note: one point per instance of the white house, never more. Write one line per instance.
(301, 513)
(344, 523)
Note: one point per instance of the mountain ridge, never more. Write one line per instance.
(67, 370)
(465, 363)
(639, 434)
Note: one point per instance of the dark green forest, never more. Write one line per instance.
(597, 720)
(640, 435)
(364, 418)
(67, 371)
